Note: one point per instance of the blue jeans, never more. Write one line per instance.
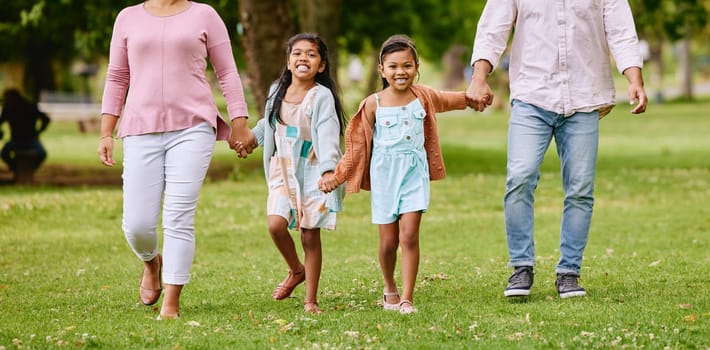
(530, 132)
(9, 151)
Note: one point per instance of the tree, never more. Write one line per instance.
(30, 35)
(689, 20)
(367, 24)
(659, 21)
(45, 35)
(445, 32)
(321, 16)
(267, 26)
(435, 25)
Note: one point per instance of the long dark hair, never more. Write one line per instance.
(324, 78)
(396, 43)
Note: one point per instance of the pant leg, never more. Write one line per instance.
(187, 158)
(577, 139)
(41, 153)
(529, 136)
(143, 184)
(6, 154)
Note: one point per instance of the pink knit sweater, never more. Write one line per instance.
(161, 62)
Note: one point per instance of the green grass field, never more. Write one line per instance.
(69, 280)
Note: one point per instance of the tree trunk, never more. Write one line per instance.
(686, 67)
(454, 67)
(374, 79)
(321, 16)
(658, 68)
(39, 73)
(267, 26)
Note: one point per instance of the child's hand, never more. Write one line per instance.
(243, 149)
(327, 182)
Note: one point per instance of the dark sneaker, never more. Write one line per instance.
(568, 287)
(519, 282)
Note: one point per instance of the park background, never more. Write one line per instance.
(67, 277)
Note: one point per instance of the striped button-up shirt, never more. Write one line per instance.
(560, 55)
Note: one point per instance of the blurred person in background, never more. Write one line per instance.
(26, 123)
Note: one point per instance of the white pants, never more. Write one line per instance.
(173, 165)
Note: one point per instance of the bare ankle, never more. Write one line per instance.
(311, 307)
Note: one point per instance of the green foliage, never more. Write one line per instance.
(74, 27)
(688, 18)
(373, 21)
(41, 33)
(444, 23)
(434, 24)
(68, 279)
(670, 19)
(64, 28)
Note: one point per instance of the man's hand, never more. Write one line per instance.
(637, 94)
(479, 94)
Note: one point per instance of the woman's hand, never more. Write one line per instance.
(106, 151)
(242, 139)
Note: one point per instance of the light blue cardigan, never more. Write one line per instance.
(325, 132)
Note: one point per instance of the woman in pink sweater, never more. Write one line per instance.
(169, 123)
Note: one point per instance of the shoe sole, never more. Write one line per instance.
(407, 311)
(579, 293)
(390, 307)
(517, 292)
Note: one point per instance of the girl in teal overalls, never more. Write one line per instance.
(392, 149)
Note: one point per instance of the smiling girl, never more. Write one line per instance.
(392, 149)
(300, 133)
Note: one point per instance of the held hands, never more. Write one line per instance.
(479, 95)
(242, 140)
(106, 151)
(328, 182)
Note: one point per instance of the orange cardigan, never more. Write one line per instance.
(354, 167)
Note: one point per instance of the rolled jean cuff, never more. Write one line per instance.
(522, 263)
(567, 270)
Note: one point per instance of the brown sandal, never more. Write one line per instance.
(151, 296)
(286, 287)
(311, 307)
